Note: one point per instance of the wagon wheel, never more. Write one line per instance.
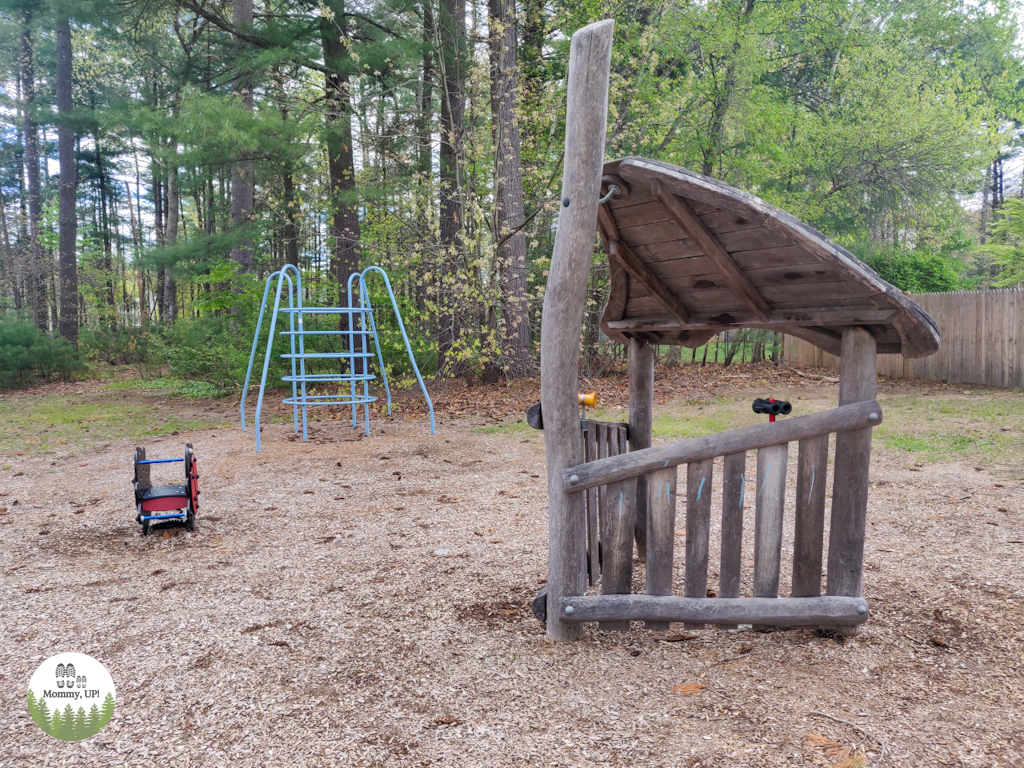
(145, 527)
(190, 517)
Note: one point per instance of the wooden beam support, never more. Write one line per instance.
(564, 302)
(812, 317)
(844, 418)
(764, 611)
(857, 382)
(738, 283)
(640, 272)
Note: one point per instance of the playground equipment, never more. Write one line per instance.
(180, 502)
(354, 358)
(772, 407)
(689, 257)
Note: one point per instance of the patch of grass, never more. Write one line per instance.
(981, 428)
(505, 428)
(174, 387)
(48, 422)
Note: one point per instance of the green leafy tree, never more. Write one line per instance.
(1007, 246)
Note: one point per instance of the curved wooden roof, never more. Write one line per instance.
(690, 256)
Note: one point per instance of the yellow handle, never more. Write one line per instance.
(589, 399)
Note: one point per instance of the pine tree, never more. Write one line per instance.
(43, 719)
(68, 724)
(81, 723)
(56, 723)
(93, 724)
(33, 706)
(108, 710)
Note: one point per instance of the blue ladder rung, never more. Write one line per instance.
(331, 355)
(327, 378)
(328, 310)
(163, 517)
(330, 400)
(326, 333)
(160, 461)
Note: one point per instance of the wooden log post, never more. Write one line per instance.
(698, 529)
(857, 382)
(809, 522)
(661, 535)
(617, 569)
(641, 426)
(585, 124)
(769, 507)
(733, 492)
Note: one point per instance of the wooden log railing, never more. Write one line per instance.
(609, 483)
(603, 471)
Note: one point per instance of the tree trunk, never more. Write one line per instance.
(243, 183)
(712, 151)
(510, 239)
(291, 229)
(170, 288)
(108, 267)
(67, 215)
(344, 228)
(451, 301)
(37, 274)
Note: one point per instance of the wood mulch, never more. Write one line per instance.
(364, 601)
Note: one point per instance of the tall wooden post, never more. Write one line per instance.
(857, 382)
(641, 426)
(585, 123)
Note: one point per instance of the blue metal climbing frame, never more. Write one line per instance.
(355, 361)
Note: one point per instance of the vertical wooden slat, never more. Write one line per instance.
(661, 535)
(641, 422)
(809, 522)
(617, 569)
(771, 498)
(853, 462)
(698, 528)
(733, 493)
(593, 512)
(602, 490)
(144, 482)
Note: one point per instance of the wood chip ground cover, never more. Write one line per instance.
(384, 619)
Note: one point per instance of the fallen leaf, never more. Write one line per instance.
(822, 742)
(858, 760)
(689, 689)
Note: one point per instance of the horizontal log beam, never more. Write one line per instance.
(825, 316)
(636, 463)
(733, 276)
(771, 611)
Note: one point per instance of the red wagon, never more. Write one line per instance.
(166, 502)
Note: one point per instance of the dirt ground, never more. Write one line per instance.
(357, 601)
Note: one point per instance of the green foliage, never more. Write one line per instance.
(917, 271)
(1007, 245)
(27, 354)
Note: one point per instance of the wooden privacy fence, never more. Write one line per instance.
(982, 341)
(610, 485)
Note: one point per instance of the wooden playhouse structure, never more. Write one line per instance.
(689, 257)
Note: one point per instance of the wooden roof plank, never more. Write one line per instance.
(692, 225)
(643, 275)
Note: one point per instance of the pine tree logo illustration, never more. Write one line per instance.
(71, 696)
